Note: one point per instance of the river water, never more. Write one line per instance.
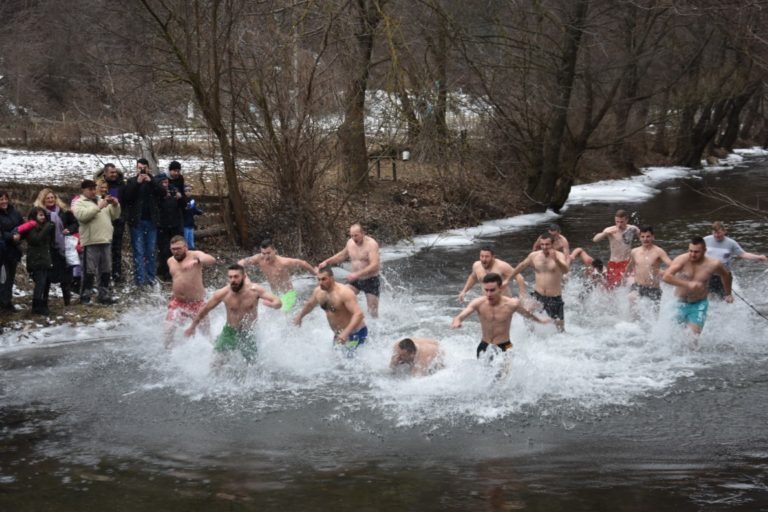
(617, 413)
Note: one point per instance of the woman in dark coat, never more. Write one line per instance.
(10, 250)
(64, 224)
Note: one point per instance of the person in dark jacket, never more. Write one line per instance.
(40, 241)
(65, 225)
(140, 201)
(176, 180)
(10, 250)
(170, 223)
(116, 184)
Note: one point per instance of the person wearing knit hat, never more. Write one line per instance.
(176, 180)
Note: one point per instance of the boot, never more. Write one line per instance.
(104, 297)
(39, 307)
(66, 293)
(86, 288)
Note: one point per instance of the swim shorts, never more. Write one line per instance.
(369, 285)
(554, 306)
(649, 292)
(232, 339)
(693, 312)
(355, 339)
(180, 312)
(483, 346)
(289, 300)
(615, 273)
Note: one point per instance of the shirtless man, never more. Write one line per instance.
(594, 271)
(416, 356)
(341, 309)
(241, 299)
(724, 248)
(495, 312)
(690, 273)
(549, 266)
(489, 264)
(646, 262)
(277, 269)
(363, 252)
(620, 237)
(187, 290)
(559, 242)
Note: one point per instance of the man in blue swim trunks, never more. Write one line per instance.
(690, 273)
(363, 252)
(341, 309)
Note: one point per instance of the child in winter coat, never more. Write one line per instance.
(40, 240)
(189, 222)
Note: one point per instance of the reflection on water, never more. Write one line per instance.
(618, 410)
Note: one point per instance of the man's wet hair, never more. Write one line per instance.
(326, 270)
(178, 238)
(554, 227)
(545, 236)
(238, 267)
(622, 214)
(492, 277)
(597, 264)
(697, 240)
(266, 243)
(408, 345)
(646, 229)
(487, 248)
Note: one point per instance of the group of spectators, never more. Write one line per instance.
(80, 245)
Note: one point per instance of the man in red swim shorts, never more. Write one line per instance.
(620, 237)
(187, 291)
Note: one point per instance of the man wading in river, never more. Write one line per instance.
(363, 252)
(241, 298)
(341, 309)
(549, 267)
(495, 311)
(690, 273)
(277, 269)
(187, 291)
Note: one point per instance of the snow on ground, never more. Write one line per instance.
(65, 168)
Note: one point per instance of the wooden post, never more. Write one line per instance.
(394, 169)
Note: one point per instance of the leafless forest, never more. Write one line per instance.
(530, 95)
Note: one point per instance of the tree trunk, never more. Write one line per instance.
(354, 152)
(541, 187)
(736, 107)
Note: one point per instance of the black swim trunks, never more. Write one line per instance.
(483, 346)
(716, 287)
(650, 292)
(370, 285)
(554, 306)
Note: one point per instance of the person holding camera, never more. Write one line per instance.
(170, 222)
(95, 215)
(140, 200)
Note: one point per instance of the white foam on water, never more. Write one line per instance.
(611, 355)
